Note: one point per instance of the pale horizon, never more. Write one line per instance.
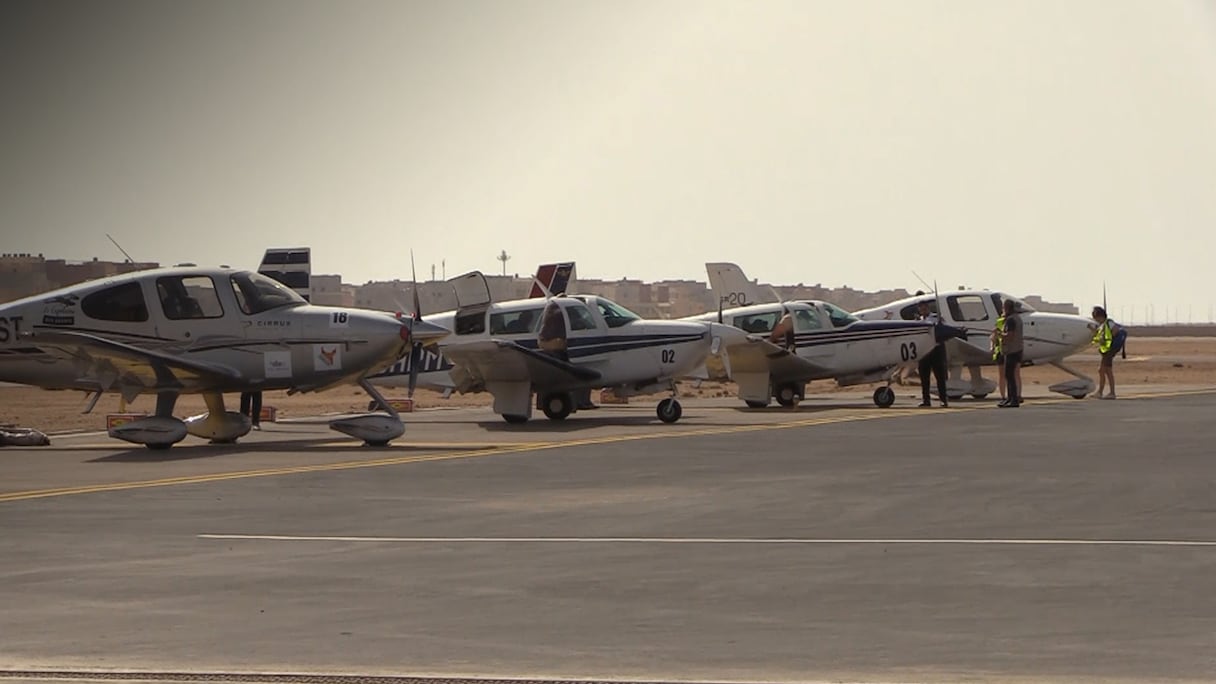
(1034, 148)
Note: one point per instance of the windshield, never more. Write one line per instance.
(838, 316)
(256, 293)
(614, 314)
(1019, 306)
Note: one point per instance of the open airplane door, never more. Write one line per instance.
(471, 290)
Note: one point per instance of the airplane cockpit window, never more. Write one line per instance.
(471, 322)
(580, 317)
(967, 308)
(119, 303)
(757, 322)
(806, 320)
(515, 322)
(614, 314)
(188, 297)
(838, 316)
(256, 293)
(911, 312)
(1019, 305)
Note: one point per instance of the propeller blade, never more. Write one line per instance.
(417, 302)
(720, 299)
(415, 362)
(1104, 298)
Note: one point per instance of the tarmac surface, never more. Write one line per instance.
(1062, 541)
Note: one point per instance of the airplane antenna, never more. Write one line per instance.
(124, 252)
(922, 281)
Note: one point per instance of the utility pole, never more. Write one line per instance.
(504, 257)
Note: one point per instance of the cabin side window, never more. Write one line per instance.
(757, 323)
(514, 322)
(967, 308)
(580, 317)
(119, 303)
(806, 320)
(471, 322)
(187, 298)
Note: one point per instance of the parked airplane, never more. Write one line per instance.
(423, 366)
(825, 342)
(1050, 337)
(561, 345)
(200, 331)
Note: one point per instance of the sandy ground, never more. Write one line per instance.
(1170, 361)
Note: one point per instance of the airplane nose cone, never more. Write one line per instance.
(423, 332)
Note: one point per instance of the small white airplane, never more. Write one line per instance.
(202, 331)
(1049, 337)
(826, 342)
(559, 346)
(429, 368)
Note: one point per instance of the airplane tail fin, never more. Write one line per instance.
(291, 266)
(556, 278)
(731, 286)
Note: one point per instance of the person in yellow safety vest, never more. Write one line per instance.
(997, 356)
(1104, 337)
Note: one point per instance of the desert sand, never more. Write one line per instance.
(1157, 361)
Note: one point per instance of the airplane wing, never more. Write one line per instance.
(111, 363)
(758, 355)
(477, 363)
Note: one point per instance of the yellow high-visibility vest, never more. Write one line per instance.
(996, 343)
(1103, 337)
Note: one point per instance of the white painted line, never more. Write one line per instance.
(707, 540)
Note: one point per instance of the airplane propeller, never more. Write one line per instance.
(416, 349)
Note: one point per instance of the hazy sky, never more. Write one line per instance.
(1035, 146)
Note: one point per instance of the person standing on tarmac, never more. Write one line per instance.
(932, 362)
(998, 355)
(1107, 337)
(1012, 346)
(251, 405)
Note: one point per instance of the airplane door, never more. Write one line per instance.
(583, 328)
(809, 324)
(187, 307)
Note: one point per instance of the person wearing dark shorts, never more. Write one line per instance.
(1104, 337)
(1012, 346)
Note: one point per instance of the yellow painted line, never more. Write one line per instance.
(440, 456)
(498, 450)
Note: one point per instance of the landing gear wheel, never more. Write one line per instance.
(755, 404)
(787, 395)
(884, 397)
(980, 396)
(669, 410)
(514, 418)
(557, 405)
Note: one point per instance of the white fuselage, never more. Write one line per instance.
(840, 346)
(1049, 337)
(274, 344)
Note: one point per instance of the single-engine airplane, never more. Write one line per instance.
(202, 331)
(559, 346)
(1050, 337)
(824, 342)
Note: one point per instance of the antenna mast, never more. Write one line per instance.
(503, 257)
(124, 252)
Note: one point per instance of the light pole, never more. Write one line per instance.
(504, 257)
